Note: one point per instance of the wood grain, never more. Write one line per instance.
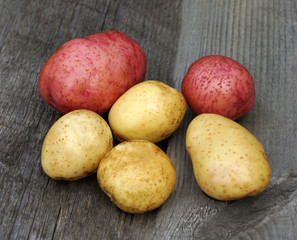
(259, 34)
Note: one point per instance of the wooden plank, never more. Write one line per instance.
(259, 34)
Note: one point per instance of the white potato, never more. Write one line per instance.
(75, 144)
(150, 110)
(228, 161)
(137, 175)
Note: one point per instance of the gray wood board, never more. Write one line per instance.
(259, 34)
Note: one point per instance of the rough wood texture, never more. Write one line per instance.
(262, 35)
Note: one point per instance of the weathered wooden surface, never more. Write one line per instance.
(262, 35)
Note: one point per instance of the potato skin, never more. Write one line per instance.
(229, 162)
(150, 110)
(91, 72)
(218, 84)
(137, 175)
(75, 144)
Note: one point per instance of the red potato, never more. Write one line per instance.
(218, 84)
(91, 72)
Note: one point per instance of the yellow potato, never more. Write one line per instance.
(150, 110)
(75, 144)
(137, 175)
(228, 161)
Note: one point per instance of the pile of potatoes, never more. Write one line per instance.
(104, 73)
(136, 174)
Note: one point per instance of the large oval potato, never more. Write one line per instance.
(228, 161)
(137, 175)
(150, 110)
(75, 144)
(92, 72)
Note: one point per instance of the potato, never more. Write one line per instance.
(137, 175)
(218, 84)
(150, 110)
(91, 72)
(75, 144)
(229, 162)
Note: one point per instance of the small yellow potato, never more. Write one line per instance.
(229, 162)
(150, 110)
(75, 144)
(137, 176)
